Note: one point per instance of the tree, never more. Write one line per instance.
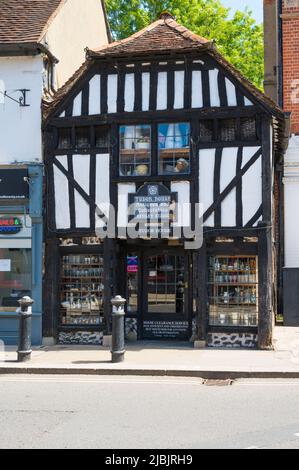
(239, 39)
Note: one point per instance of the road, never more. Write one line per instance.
(146, 413)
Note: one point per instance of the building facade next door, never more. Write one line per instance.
(162, 294)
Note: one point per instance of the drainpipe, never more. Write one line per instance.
(280, 55)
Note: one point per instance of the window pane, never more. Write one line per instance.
(15, 276)
(227, 129)
(64, 138)
(82, 137)
(132, 283)
(248, 129)
(135, 150)
(174, 148)
(233, 291)
(206, 131)
(165, 284)
(102, 136)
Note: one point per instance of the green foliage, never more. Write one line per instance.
(239, 39)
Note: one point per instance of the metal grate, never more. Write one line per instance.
(218, 383)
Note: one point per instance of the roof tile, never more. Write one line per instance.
(24, 21)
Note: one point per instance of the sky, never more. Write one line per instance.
(255, 5)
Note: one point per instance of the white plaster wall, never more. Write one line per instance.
(112, 93)
(227, 174)
(129, 92)
(20, 128)
(123, 203)
(62, 202)
(206, 181)
(291, 191)
(183, 190)
(252, 191)
(145, 91)
(103, 182)
(162, 91)
(291, 224)
(79, 23)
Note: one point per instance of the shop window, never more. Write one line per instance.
(227, 130)
(102, 136)
(135, 150)
(233, 291)
(64, 138)
(248, 129)
(174, 148)
(206, 131)
(82, 137)
(15, 277)
(81, 296)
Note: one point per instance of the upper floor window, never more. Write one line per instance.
(227, 130)
(102, 136)
(174, 148)
(64, 138)
(248, 129)
(82, 137)
(135, 150)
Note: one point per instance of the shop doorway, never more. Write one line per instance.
(158, 291)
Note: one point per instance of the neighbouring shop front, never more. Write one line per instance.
(20, 248)
(184, 148)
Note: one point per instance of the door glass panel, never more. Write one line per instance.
(132, 283)
(165, 284)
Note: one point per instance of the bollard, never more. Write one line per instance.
(118, 329)
(25, 311)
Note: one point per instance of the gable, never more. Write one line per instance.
(143, 87)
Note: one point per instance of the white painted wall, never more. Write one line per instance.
(291, 190)
(77, 25)
(20, 128)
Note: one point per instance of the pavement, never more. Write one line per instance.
(164, 359)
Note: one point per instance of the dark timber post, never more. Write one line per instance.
(202, 293)
(266, 317)
(118, 329)
(25, 312)
(265, 304)
(51, 288)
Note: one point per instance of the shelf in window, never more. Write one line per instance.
(233, 284)
(167, 153)
(227, 271)
(135, 151)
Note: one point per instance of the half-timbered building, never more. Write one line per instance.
(162, 117)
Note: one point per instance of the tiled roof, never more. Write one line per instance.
(25, 21)
(163, 35)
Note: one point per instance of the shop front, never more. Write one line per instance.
(20, 248)
(159, 188)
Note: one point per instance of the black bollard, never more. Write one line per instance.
(118, 329)
(24, 349)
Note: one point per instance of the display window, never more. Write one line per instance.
(82, 289)
(15, 276)
(233, 291)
